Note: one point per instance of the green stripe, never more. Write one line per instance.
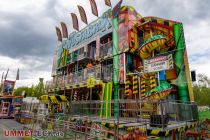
(104, 99)
(115, 64)
(179, 60)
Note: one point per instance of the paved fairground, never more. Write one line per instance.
(9, 124)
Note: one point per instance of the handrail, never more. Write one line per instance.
(97, 71)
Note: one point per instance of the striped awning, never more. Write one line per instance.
(53, 99)
(63, 98)
(44, 98)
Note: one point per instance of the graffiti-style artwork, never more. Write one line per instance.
(121, 68)
(123, 32)
(8, 87)
(127, 19)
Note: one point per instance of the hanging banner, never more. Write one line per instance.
(158, 63)
(8, 87)
(94, 7)
(108, 3)
(75, 21)
(64, 30)
(58, 32)
(82, 14)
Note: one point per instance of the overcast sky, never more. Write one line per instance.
(28, 38)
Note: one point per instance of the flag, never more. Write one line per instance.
(94, 7)
(2, 77)
(82, 14)
(64, 30)
(108, 3)
(17, 76)
(116, 9)
(5, 77)
(58, 32)
(75, 21)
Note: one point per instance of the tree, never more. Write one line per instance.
(33, 91)
(18, 91)
(201, 90)
(203, 80)
(39, 90)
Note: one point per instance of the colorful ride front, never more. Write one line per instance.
(125, 77)
(9, 104)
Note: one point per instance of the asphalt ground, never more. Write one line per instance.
(9, 124)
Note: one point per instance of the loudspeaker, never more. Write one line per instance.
(193, 76)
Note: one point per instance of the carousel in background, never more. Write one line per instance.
(9, 104)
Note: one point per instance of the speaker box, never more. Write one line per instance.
(193, 76)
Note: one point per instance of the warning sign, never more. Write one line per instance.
(158, 63)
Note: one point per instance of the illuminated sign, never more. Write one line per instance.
(101, 25)
(158, 63)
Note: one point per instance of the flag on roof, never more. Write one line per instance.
(58, 32)
(2, 76)
(5, 77)
(64, 30)
(82, 14)
(17, 76)
(116, 9)
(75, 21)
(94, 7)
(108, 3)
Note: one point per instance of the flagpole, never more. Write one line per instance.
(6, 74)
(2, 77)
(13, 87)
(2, 89)
(17, 78)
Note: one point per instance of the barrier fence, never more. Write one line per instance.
(98, 72)
(95, 119)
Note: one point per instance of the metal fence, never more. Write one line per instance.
(156, 113)
(98, 72)
(106, 50)
(98, 119)
(83, 129)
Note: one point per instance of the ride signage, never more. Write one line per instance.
(158, 63)
(94, 28)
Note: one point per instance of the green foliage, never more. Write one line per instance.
(204, 115)
(201, 90)
(18, 91)
(33, 91)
